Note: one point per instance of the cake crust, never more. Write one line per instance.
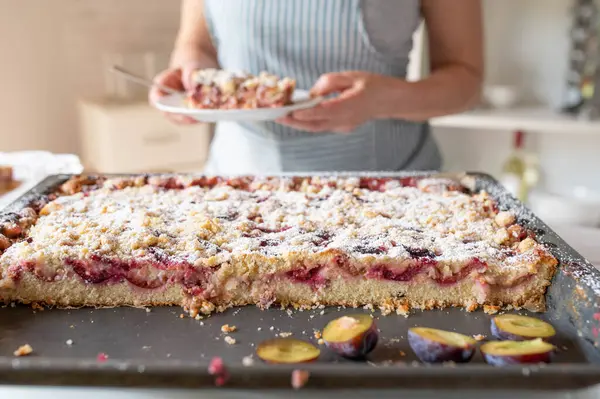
(210, 243)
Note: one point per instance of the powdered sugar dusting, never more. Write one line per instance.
(279, 218)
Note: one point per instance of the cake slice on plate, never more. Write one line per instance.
(221, 89)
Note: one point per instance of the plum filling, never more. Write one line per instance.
(383, 272)
(143, 274)
(311, 277)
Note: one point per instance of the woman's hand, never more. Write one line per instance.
(362, 97)
(177, 79)
(193, 50)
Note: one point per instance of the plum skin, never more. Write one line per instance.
(429, 351)
(357, 347)
(507, 336)
(507, 353)
(504, 360)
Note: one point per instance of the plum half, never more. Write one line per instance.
(506, 353)
(287, 351)
(352, 336)
(513, 327)
(438, 346)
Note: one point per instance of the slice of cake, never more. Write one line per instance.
(212, 243)
(220, 89)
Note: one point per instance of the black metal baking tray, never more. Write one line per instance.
(160, 349)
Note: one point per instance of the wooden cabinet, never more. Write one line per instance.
(134, 137)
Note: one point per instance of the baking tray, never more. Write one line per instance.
(159, 348)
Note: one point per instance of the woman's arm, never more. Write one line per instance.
(454, 85)
(193, 44)
(193, 50)
(456, 52)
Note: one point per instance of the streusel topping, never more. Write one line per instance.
(206, 226)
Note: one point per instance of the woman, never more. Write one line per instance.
(355, 49)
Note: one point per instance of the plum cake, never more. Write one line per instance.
(221, 89)
(210, 243)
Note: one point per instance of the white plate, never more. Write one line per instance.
(174, 103)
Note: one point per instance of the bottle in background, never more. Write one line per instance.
(514, 169)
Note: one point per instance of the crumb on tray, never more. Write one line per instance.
(102, 357)
(23, 350)
(226, 328)
(217, 369)
(299, 378)
(69, 342)
(317, 334)
(285, 334)
(229, 340)
(248, 361)
(478, 337)
(491, 309)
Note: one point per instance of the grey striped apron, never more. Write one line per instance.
(304, 39)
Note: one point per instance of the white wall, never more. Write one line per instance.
(527, 46)
(52, 52)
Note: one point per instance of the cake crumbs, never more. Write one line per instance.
(37, 306)
(23, 350)
(478, 337)
(229, 340)
(285, 334)
(181, 316)
(402, 353)
(102, 357)
(317, 334)
(299, 378)
(69, 342)
(488, 309)
(148, 310)
(217, 369)
(248, 361)
(226, 328)
(321, 341)
(198, 317)
(322, 312)
(259, 328)
(271, 328)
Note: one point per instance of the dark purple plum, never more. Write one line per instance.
(438, 346)
(352, 337)
(506, 353)
(287, 351)
(513, 327)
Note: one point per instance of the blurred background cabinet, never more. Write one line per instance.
(128, 137)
